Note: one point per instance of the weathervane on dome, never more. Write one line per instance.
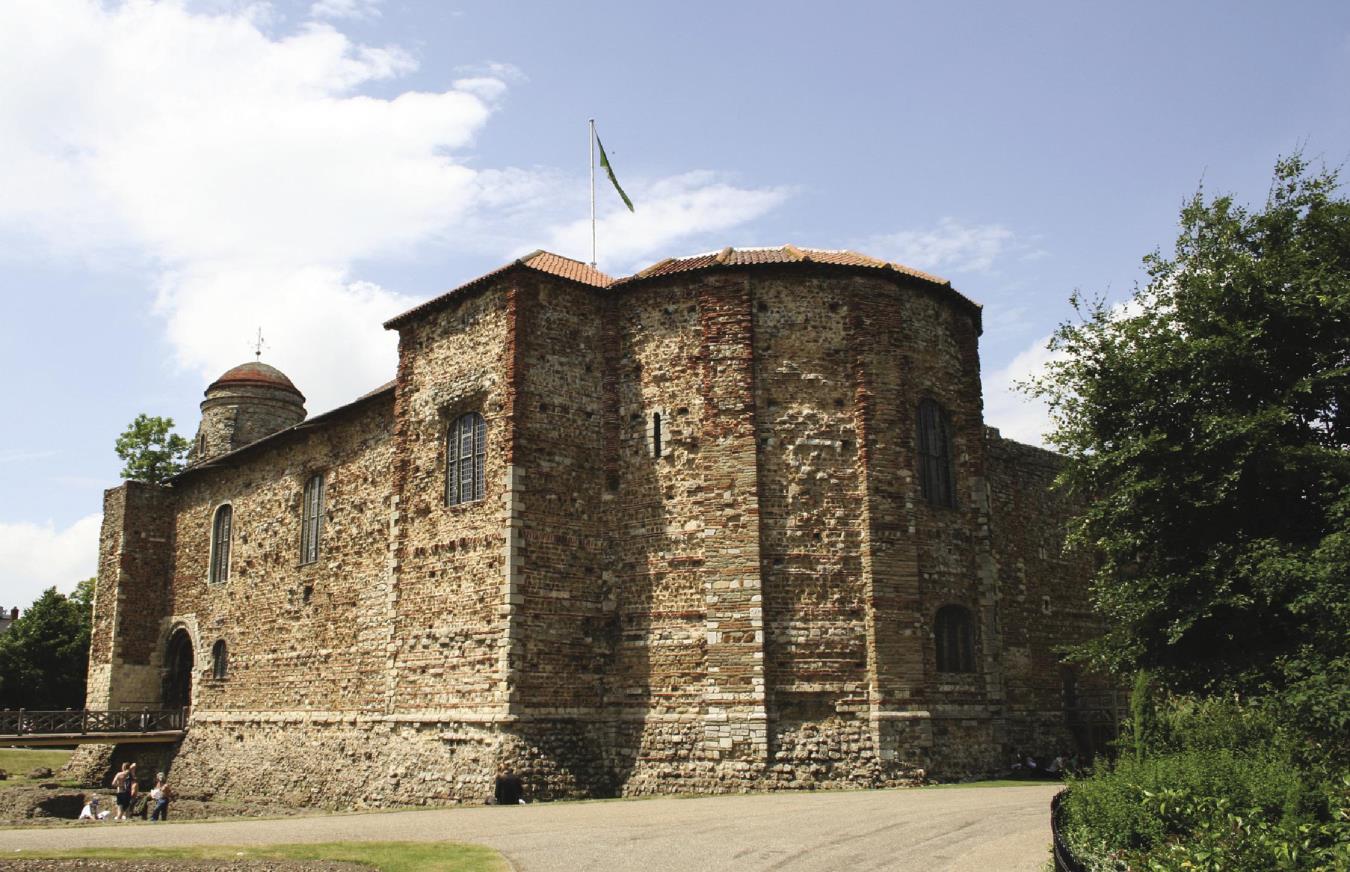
(258, 345)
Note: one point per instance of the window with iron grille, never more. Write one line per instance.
(935, 455)
(219, 659)
(220, 543)
(311, 519)
(954, 633)
(465, 450)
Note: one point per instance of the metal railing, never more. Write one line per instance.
(21, 722)
(1065, 861)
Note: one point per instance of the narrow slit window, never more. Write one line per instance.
(954, 634)
(220, 544)
(656, 434)
(311, 519)
(935, 455)
(219, 659)
(466, 452)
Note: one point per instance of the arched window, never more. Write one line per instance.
(935, 455)
(220, 543)
(219, 659)
(954, 633)
(178, 660)
(311, 519)
(465, 449)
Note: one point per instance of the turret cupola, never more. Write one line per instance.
(249, 402)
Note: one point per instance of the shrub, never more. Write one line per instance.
(1209, 784)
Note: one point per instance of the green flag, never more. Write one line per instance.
(609, 170)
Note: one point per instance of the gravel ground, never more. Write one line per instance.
(993, 829)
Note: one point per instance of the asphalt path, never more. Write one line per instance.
(978, 829)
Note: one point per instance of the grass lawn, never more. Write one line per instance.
(385, 856)
(18, 762)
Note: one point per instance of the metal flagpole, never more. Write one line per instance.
(592, 144)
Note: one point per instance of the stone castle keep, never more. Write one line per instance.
(733, 522)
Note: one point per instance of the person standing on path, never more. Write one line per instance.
(121, 785)
(160, 795)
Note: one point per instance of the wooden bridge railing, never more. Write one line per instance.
(21, 722)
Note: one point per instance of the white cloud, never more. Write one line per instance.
(248, 168)
(951, 245)
(686, 206)
(34, 557)
(494, 70)
(360, 10)
(1015, 414)
(252, 174)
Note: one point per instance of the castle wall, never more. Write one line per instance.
(745, 602)
(657, 683)
(450, 599)
(940, 359)
(812, 534)
(1044, 604)
(299, 636)
(558, 630)
(135, 545)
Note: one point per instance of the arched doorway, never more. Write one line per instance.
(178, 670)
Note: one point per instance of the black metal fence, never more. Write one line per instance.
(1065, 861)
(21, 722)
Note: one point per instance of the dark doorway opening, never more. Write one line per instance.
(178, 670)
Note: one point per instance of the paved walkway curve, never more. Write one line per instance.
(994, 829)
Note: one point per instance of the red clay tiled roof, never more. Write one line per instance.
(541, 261)
(255, 372)
(556, 264)
(730, 257)
(575, 270)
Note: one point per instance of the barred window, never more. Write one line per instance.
(465, 449)
(935, 455)
(311, 519)
(220, 543)
(219, 659)
(954, 633)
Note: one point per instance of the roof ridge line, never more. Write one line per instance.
(725, 254)
(653, 267)
(797, 254)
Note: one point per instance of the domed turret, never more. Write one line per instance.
(245, 404)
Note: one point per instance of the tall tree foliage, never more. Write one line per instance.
(44, 656)
(150, 450)
(1207, 422)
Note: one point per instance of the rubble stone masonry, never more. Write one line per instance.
(701, 563)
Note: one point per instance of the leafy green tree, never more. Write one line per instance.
(150, 449)
(1207, 425)
(44, 656)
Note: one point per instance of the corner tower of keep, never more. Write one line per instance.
(666, 533)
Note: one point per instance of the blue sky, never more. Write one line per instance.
(175, 175)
